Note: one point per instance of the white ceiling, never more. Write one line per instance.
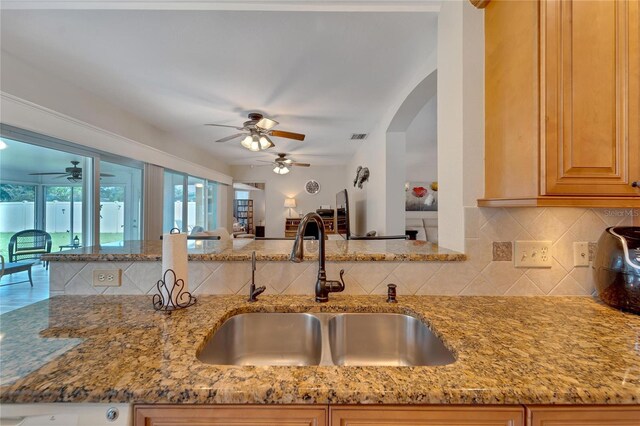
(325, 74)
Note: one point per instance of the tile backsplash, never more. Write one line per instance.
(479, 275)
(563, 226)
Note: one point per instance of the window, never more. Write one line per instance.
(42, 187)
(120, 202)
(54, 182)
(189, 202)
(63, 214)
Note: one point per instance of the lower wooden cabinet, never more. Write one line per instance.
(384, 415)
(426, 416)
(584, 416)
(229, 415)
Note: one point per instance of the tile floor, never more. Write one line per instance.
(16, 296)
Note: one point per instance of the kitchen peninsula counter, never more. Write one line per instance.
(509, 350)
(240, 249)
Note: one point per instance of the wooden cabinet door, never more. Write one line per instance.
(229, 415)
(584, 416)
(426, 416)
(590, 78)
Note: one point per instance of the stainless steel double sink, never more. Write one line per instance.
(343, 339)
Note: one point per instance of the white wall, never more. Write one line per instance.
(278, 187)
(369, 205)
(259, 206)
(29, 94)
(421, 157)
(460, 117)
(460, 132)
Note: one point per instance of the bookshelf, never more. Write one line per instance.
(243, 212)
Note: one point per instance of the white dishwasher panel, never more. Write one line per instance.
(66, 414)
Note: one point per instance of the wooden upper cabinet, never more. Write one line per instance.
(589, 66)
(562, 94)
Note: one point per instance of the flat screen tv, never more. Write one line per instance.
(342, 214)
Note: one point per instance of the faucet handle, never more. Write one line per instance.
(391, 293)
(339, 285)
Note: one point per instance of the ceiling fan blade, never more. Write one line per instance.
(266, 123)
(301, 164)
(288, 135)
(228, 138)
(49, 173)
(264, 161)
(224, 125)
(64, 175)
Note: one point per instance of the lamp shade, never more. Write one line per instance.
(290, 202)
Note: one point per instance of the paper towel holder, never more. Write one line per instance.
(170, 285)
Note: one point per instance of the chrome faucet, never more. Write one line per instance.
(253, 291)
(323, 286)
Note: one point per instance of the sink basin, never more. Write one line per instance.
(384, 340)
(265, 339)
(346, 339)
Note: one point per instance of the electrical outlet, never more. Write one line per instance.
(533, 254)
(580, 254)
(107, 277)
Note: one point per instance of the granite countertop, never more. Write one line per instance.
(240, 249)
(509, 350)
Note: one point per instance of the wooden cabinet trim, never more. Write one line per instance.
(592, 415)
(562, 201)
(230, 415)
(453, 415)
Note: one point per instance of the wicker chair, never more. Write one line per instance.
(29, 244)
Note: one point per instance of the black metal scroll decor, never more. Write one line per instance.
(167, 287)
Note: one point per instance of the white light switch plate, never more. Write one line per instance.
(580, 254)
(107, 277)
(533, 254)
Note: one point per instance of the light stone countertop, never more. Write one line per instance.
(509, 350)
(240, 249)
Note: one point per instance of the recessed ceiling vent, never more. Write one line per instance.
(358, 136)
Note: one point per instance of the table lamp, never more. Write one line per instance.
(290, 203)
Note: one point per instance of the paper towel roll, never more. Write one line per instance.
(174, 256)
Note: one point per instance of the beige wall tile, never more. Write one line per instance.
(61, 272)
(471, 222)
(547, 227)
(546, 279)
(410, 276)
(566, 216)
(501, 227)
(479, 251)
(588, 227)
(524, 287)
(569, 287)
(502, 275)
(450, 279)
(525, 215)
(563, 250)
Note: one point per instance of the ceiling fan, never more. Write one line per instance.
(73, 173)
(256, 132)
(283, 164)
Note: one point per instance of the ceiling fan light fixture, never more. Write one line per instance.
(281, 169)
(265, 142)
(246, 142)
(255, 143)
